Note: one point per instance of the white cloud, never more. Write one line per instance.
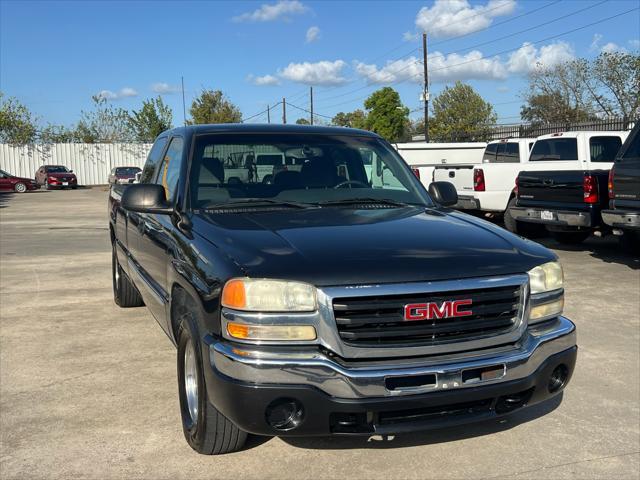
(409, 36)
(270, 12)
(264, 80)
(162, 87)
(608, 47)
(447, 18)
(124, 92)
(595, 43)
(318, 73)
(528, 57)
(442, 68)
(313, 34)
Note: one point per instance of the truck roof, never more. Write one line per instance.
(268, 128)
(581, 133)
(513, 140)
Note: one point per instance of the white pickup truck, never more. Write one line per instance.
(423, 157)
(489, 186)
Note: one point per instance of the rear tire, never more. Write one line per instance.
(206, 430)
(630, 241)
(20, 187)
(570, 238)
(530, 230)
(125, 293)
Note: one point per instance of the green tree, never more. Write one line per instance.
(386, 115)
(355, 119)
(17, 125)
(552, 108)
(213, 107)
(302, 121)
(459, 112)
(104, 124)
(151, 120)
(614, 83)
(57, 134)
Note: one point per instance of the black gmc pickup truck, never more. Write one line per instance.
(333, 296)
(623, 214)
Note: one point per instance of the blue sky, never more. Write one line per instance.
(55, 55)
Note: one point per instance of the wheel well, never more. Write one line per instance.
(179, 300)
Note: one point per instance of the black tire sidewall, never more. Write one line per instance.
(193, 433)
(114, 265)
(510, 223)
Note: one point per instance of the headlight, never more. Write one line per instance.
(545, 278)
(547, 297)
(258, 295)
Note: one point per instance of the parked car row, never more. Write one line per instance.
(51, 177)
(556, 182)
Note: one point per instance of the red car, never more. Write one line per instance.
(123, 174)
(11, 183)
(56, 176)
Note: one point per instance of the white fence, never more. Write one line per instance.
(91, 162)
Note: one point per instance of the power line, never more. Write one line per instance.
(466, 19)
(262, 112)
(527, 29)
(496, 24)
(494, 54)
(315, 114)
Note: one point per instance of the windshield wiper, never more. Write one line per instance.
(258, 202)
(364, 200)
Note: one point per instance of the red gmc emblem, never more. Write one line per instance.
(431, 310)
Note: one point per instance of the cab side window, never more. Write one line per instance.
(604, 149)
(169, 170)
(149, 170)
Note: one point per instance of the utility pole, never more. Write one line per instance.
(284, 110)
(184, 109)
(268, 114)
(311, 102)
(425, 91)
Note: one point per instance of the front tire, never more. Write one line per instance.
(20, 187)
(125, 293)
(570, 238)
(206, 430)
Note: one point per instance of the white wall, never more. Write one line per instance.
(91, 162)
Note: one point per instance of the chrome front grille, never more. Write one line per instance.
(379, 320)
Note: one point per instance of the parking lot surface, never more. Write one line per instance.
(88, 390)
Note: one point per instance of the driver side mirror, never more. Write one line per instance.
(146, 198)
(443, 193)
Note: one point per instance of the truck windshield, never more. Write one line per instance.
(317, 169)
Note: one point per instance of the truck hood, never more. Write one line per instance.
(334, 246)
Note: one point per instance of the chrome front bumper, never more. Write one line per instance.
(364, 379)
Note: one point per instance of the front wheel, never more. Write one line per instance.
(570, 238)
(206, 430)
(20, 187)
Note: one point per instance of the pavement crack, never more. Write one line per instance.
(549, 467)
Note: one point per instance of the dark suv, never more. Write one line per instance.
(341, 298)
